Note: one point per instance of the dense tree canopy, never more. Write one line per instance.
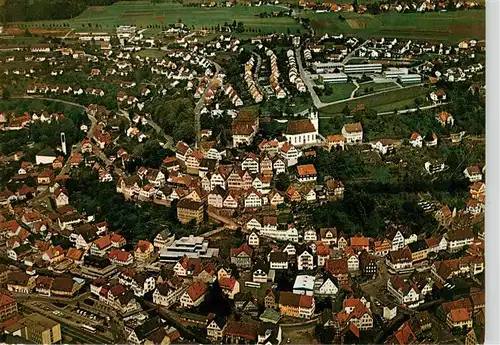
(176, 117)
(134, 221)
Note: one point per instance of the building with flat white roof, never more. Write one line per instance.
(304, 285)
(333, 77)
(395, 72)
(192, 247)
(326, 67)
(363, 68)
(410, 78)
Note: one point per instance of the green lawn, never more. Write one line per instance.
(443, 26)
(339, 91)
(375, 101)
(376, 86)
(142, 13)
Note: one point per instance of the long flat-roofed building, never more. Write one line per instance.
(192, 247)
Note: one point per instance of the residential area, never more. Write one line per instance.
(227, 185)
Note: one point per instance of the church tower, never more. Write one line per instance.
(313, 116)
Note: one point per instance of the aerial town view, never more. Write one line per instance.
(242, 172)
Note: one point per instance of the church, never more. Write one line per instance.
(303, 132)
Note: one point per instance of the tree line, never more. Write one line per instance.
(27, 10)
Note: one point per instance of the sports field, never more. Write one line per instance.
(144, 13)
(443, 26)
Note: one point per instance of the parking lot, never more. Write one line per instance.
(72, 313)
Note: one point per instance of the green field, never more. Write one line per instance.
(339, 91)
(143, 13)
(444, 26)
(376, 86)
(387, 99)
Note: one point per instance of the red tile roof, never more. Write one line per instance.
(353, 127)
(243, 248)
(460, 315)
(197, 290)
(306, 169)
(300, 127)
(5, 300)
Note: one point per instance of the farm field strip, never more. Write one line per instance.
(145, 13)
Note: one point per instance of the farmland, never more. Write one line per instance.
(445, 26)
(142, 14)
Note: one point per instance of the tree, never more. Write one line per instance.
(6, 94)
(282, 182)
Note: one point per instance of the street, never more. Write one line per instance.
(199, 105)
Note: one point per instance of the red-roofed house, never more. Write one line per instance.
(194, 295)
(120, 257)
(294, 305)
(306, 173)
(242, 256)
(459, 318)
(100, 246)
(229, 286)
(53, 254)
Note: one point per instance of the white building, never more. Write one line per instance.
(304, 285)
(303, 132)
(353, 133)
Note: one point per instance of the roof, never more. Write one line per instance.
(460, 315)
(74, 254)
(443, 116)
(144, 330)
(478, 298)
(337, 266)
(401, 255)
(103, 242)
(295, 300)
(460, 234)
(63, 284)
(47, 152)
(278, 257)
(197, 290)
(189, 204)
(5, 300)
(119, 255)
(143, 246)
(243, 248)
(242, 329)
(360, 241)
(300, 127)
(335, 138)
(473, 170)
(418, 246)
(404, 336)
(228, 283)
(353, 127)
(415, 136)
(306, 169)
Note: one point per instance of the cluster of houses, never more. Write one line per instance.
(63, 89)
(400, 7)
(293, 72)
(274, 75)
(251, 84)
(232, 95)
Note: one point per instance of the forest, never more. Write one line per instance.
(28, 10)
